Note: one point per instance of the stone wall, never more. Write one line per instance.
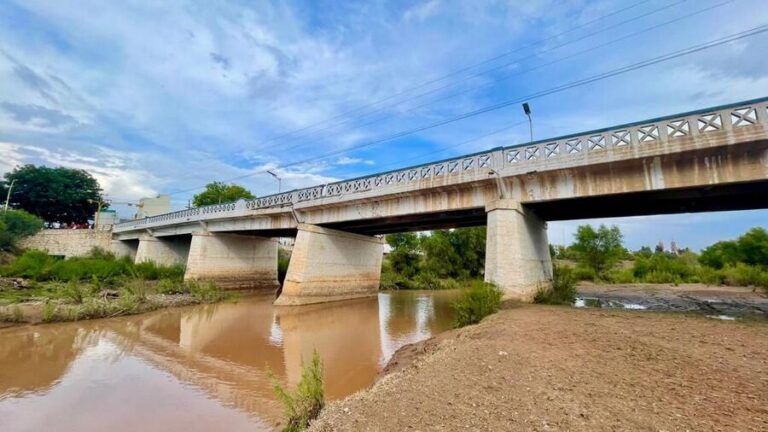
(68, 242)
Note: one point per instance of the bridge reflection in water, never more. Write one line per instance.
(204, 367)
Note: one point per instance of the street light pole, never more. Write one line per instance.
(8, 197)
(527, 110)
(279, 180)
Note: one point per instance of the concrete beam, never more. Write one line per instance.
(517, 250)
(328, 265)
(162, 251)
(233, 261)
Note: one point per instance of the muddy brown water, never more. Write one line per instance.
(201, 368)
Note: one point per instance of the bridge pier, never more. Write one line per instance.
(517, 250)
(329, 265)
(233, 261)
(124, 248)
(162, 251)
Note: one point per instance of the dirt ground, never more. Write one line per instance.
(558, 368)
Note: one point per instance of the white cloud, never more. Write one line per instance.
(346, 160)
(422, 11)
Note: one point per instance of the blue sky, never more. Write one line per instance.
(163, 97)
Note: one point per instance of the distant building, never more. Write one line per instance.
(153, 206)
(105, 219)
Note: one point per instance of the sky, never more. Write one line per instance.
(164, 97)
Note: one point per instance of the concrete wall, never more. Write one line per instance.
(68, 243)
(517, 250)
(233, 261)
(328, 265)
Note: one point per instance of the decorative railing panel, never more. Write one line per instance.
(663, 130)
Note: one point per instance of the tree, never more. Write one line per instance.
(720, 254)
(220, 192)
(753, 246)
(15, 225)
(598, 250)
(405, 254)
(54, 194)
(457, 253)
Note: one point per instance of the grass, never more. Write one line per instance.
(391, 280)
(304, 404)
(563, 290)
(98, 265)
(475, 303)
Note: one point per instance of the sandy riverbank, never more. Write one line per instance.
(558, 368)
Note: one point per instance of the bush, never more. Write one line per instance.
(563, 289)
(475, 303)
(15, 225)
(206, 292)
(581, 273)
(305, 403)
(745, 275)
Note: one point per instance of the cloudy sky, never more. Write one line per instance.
(163, 97)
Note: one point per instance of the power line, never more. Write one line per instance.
(452, 74)
(492, 69)
(573, 84)
(524, 71)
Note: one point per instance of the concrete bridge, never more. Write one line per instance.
(708, 160)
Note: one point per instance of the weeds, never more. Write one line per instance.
(563, 290)
(305, 403)
(475, 303)
(49, 312)
(206, 292)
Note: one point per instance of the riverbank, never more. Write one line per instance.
(558, 368)
(27, 302)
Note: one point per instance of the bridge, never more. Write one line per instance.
(707, 160)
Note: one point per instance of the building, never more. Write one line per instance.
(153, 206)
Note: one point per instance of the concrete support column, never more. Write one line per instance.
(328, 265)
(233, 261)
(162, 250)
(124, 248)
(517, 250)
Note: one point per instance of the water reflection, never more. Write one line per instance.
(200, 368)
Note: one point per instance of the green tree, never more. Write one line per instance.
(405, 254)
(15, 225)
(720, 254)
(458, 253)
(753, 247)
(598, 250)
(54, 194)
(220, 192)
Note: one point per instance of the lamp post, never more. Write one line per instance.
(279, 180)
(8, 197)
(527, 110)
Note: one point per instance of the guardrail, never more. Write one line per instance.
(664, 129)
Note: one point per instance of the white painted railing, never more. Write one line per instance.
(666, 129)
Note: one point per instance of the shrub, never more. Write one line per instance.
(49, 312)
(76, 292)
(304, 404)
(745, 275)
(137, 289)
(15, 225)
(170, 286)
(584, 273)
(206, 292)
(563, 289)
(620, 276)
(32, 264)
(475, 303)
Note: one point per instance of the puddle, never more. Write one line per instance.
(591, 302)
(722, 317)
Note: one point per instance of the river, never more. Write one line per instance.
(201, 368)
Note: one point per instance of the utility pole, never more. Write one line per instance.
(8, 197)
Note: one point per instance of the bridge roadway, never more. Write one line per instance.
(708, 160)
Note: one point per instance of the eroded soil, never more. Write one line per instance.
(560, 368)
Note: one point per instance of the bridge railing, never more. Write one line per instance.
(661, 130)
